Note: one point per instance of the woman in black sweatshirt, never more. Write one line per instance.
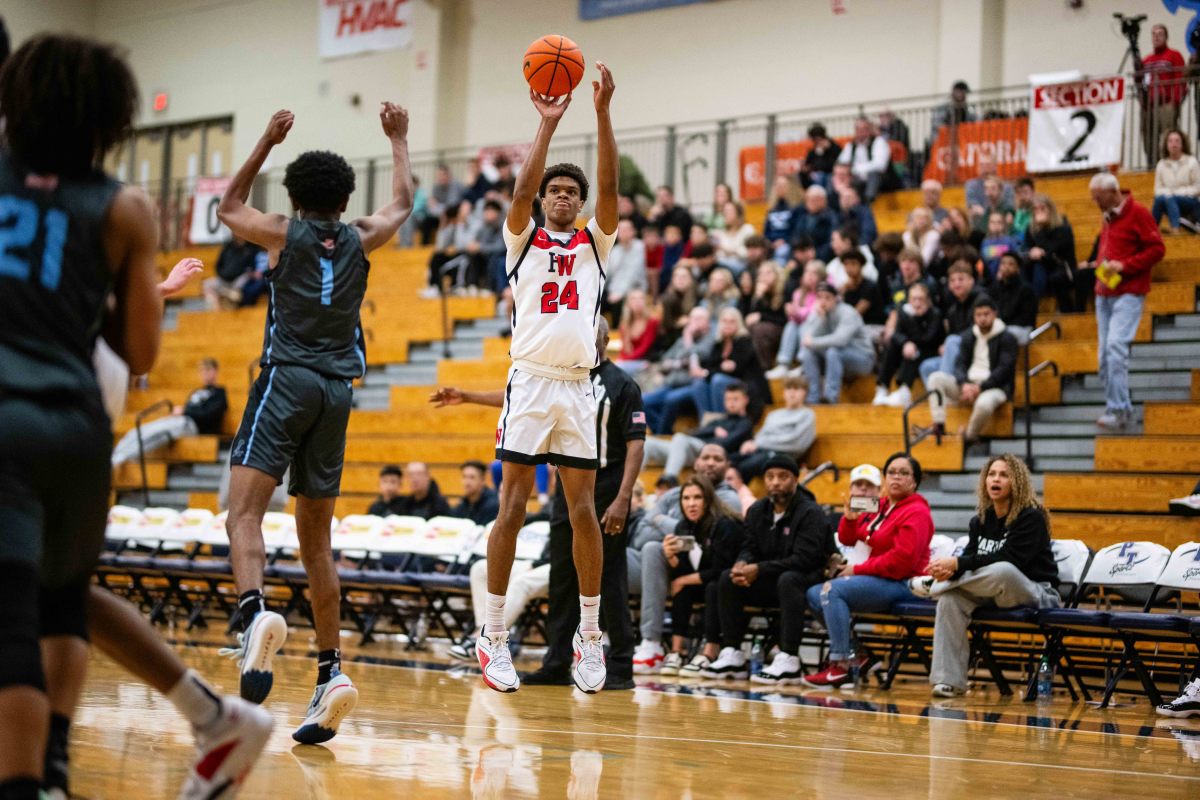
(918, 334)
(1008, 562)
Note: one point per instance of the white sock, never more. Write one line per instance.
(589, 614)
(195, 700)
(494, 619)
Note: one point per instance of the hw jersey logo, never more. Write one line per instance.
(499, 431)
(564, 263)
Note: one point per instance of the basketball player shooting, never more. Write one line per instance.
(549, 416)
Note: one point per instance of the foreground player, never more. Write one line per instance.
(299, 406)
(549, 414)
(71, 236)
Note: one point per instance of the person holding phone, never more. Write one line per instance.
(898, 535)
(685, 568)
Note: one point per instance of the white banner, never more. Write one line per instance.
(206, 228)
(346, 27)
(1076, 126)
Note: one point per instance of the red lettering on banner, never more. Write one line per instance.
(355, 17)
(788, 158)
(1074, 95)
(1005, 140)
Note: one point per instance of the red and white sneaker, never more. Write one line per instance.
(226, 750)
(648, 658)
(589, 670)
(495, 661)
(829, 678)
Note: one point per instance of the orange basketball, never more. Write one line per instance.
(553, 65)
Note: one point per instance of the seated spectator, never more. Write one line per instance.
(1176, 184)
(787, 543)
(957, 220)
(720, 292)
(835, 341)
(672, 248)
(994, 201)
(202, 414)
(766, 315)
(802, 252)
(676, 370)
(712, 463)
(997, 242)
(976, 188)
(798, 309)
(450, 258)
(757, 252)
(479, 503)
(983, 372)
(931, 198)
(626, 268)
(420, 221)
(730, 239)
(956, 111)
(680, 297)
(855, 214)
(1188, 505)
(862, 295)
(477, 182)
(841, 181)
(844, 242)
(887, 254)
(893, 128)
(958, 315)
(910, 273)
(425, 499)
(714, 220)
(664, 213)
(685, 566)
(239, 281)
(446, 194)
(788, 431)
(898, 535)
(817, 167)
(869, 157)
(731, 359)
(922, 235)
(1023, 193)
(865, 481)
(627, 209)
(916, 337)
(1050, 254)
(1008, 562)
(699, 236)
(390, 501)
(729, 431)
(652, 241)
(785, 196)
(816, 220)
(639, 331)
(702, 260)
(487, 250)
(1014, 298)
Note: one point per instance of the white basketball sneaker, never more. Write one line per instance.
(495, 661)
(226, 751)
(256, 647)
(589, 670)
(330, 704)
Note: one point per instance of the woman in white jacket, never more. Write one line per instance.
(1176, 183)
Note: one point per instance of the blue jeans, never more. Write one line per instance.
(943, 363)
(664, 405)
(789, 344)
(709, 394)
(1117, 321)
(863, 593)
(1174, 206)
(837, 361)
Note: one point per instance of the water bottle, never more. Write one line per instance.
(756, 658)
(1045, 680)
(853, 667)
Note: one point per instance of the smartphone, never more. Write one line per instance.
(869, 505)
(686, 543)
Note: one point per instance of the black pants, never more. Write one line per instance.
(563, 614)
(786, 592)
(793, 606)
(683, 605)
(895, 364)
(464, 269)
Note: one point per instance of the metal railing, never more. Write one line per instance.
(1036, 333)
(827, 466)
(141, 415)
(925, 433)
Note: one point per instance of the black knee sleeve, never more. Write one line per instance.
(21, 664)
(63, 611)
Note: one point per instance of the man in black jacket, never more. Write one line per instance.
(426, 500)
(203, 414)
(787, 544)
(983, 375)
(479, 502)
(390, 500)
(729, 431)
(1015, 301)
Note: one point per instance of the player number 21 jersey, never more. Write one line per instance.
(557, 281)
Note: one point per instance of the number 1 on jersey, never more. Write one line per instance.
(552, 298)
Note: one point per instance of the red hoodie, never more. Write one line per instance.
(900, 545)
(1129, 235)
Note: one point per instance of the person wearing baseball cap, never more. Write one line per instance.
(867, 479)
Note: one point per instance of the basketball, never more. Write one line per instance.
(553, 65)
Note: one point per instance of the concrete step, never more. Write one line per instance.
(210, 471)
(1092, 395)
(952, 523)
(1081, 429)
(481, 328)
(1156, 365)
(1157, 380)
(1087, 413)
(163, 498)
(1185, 321)
(433, 353)
(409, 375)
(1062, 464)
(1182, 350)
(940, 500)
(373, 398)
(1071, 448)
(967, 482)
(193, 483)
(1176, 334)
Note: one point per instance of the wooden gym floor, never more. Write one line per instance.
(424, 731)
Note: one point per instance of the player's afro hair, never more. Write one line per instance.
(565, 171)
(319, 181)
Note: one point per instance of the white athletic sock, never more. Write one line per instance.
(195, 700)
(494, 619)
(589, 614)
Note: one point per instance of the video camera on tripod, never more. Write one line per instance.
(1131, 27)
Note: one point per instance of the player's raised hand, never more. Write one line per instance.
(394, 119)
(550, 107)
(278, 127)
(602, 90)
(180, 275)
(446, 396)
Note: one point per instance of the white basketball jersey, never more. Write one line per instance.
(557, 281)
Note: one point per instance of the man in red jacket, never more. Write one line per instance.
(1130, 245)
(1162, 75)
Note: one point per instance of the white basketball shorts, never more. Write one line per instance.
(548, 421)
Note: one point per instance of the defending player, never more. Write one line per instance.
(299, 406)
(549, 414)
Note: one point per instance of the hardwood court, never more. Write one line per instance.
(422, 731)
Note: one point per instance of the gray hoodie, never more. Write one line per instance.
(841, 327)
(788, 430)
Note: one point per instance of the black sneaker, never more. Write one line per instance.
(1186, 705)
(612, 684)
(544, 677)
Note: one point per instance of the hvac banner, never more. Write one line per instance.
(597, 9)
(206, 228)
(346, 27)
(1076, 126)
